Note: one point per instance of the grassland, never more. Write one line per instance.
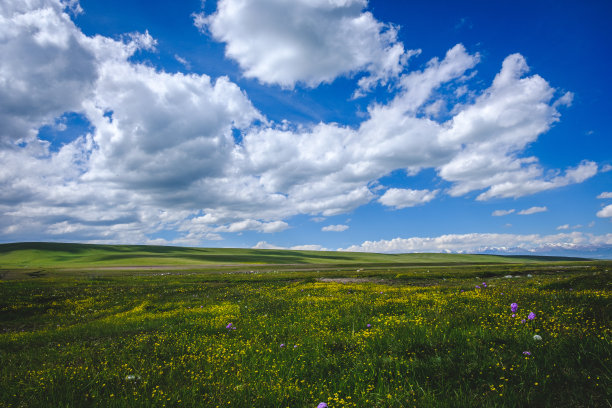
(103, 326)
(58, 255)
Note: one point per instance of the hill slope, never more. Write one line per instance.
(43, 254)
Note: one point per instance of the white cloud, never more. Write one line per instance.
(308, 247)
(402, 198)
(289, 41)
(254, 225)
(161, 153)
(532, 210)
(265, 245)
(563, 227)
(42, 57)
(499, 213)
(606, 168)
(527, 181)
(183, 61)
(336, 228)
(605, 195)
(489, 243)
(73, 6)
(605, 212)
(504, 119)
(133, 145)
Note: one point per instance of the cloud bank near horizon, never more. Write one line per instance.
(562, 244)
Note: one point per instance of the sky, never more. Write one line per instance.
(420, 126)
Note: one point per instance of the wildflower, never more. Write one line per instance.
(526, 353)
(531, 316)
(484, 284)
(282, 345)
(522, 320)
(513, 315)
(537, 337)
(230, 326)
(322, 405)
(477, 287)
(368, 325)
(514, 307)
(130, 377)
(295, 346)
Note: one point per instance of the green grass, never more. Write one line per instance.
(54, 255)
(153, 338)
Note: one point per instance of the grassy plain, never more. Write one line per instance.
(82, 326)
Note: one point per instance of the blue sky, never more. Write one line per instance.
(424, 126)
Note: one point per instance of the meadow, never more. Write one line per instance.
(85, 326)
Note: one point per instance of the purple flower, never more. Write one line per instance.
(522, 320)
(526, 353)
(230, 326)
(282, 345)
(295, 346)
(513, 315)
(514, 307)
(477, 287)
(531, 316)
(368, 325)
(322, 405)
(484, 284)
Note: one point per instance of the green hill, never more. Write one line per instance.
(65, 255)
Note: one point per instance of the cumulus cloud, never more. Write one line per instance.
(500, 213)
(402, 198)
(605, 212)
(604, 195)
(289, 41)
(42, 57)
(508, 116)
(489, 243)
(532, 210)
(335, 228)
(254, 225)
(133, 144)
(159, 152)
(127, 174)
(563, 227)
